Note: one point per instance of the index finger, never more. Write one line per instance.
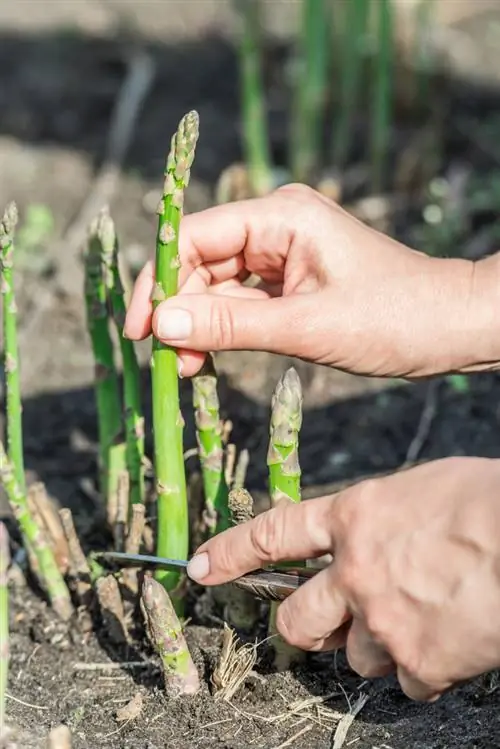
(288, 532)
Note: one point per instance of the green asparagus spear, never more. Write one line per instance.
(11, 355)
(173, 529)
(283, 453)
(255, 133)
(382, 94)
(4, 621)
(109, 408)
(51, 577)
(209, 435)
(166, 636)
(103, 230)
(305, 140)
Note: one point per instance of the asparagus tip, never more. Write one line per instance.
(8, 224)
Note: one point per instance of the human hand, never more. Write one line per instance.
(414, 586)
(333, 291)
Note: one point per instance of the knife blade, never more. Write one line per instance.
(271, 584)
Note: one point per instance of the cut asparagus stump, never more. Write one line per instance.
(52, 579)
(11, 355)
(165, 633)
(168, 423)
(103, 229)
(4, 622)
(209, 436)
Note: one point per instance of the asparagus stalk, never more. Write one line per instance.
(382, 94)
(11, 354)
(165, 632)
(283, 452)
(355, 25)
(173, 529)
(109, 409)
(209, 436)
(103, 230)
(4, 621)
(305, 140)
(255, 133)
(54, 582)
(241, 609)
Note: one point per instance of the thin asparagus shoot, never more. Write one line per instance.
(283, 452)
(255, 131)
(104, 231)
(109, 407)
(310, 94)
(11, 353)
(4, 622)
(382, 94)
(168, 423)
(52, 579)
(353, 40)
(211, 451)
(240, 472)
(166, 635)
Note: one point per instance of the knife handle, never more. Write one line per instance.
(274, 585)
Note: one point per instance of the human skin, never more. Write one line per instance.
(414, 586)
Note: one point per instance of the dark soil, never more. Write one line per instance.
(56, 95)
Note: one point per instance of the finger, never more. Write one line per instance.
(365, 656)
(189, 363)
(138, 320)
(287, 532)
(225, 323)
(311, 615)
(418, 690)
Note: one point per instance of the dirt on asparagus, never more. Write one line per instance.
(57, 91)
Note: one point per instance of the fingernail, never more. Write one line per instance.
(199, 567)
(180, 367)
(174, 324)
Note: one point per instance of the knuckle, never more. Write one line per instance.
(221, 327)
(266, 536)
(285, 625)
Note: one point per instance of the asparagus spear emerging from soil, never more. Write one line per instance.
(11, 356)
(4, 622)
(109, 409)
(51, 577)
(165, 632)
(209, 436)
(283, 453)
(173, 528)
(103, 229)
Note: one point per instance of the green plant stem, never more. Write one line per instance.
(173, 529)
(165, 633)
(109, 408)
(51, 576)
(310, 94)
(209, 436)
(255, 132)
(382, 95)
(355, 25)
(11, 353)
(4, 621)
(424, 59)
(105, 233)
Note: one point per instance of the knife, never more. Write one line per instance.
(270, 584)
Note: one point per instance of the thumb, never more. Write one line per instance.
(205, 322)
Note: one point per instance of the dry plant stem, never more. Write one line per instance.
(104, 230)
(255, 132)
(133, 544)
(52, 579)
(211, 452)
(230, 463)
(168, 423)
(166, 635)
(79, 567)
(382, 94)
(11, 353)
(111, 606)
(240, 472)
(109, 409)
(234, 665)
(4, 621)
(41, 506)
(122, 508)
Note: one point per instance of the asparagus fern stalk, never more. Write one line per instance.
(283, 452)
(173, 530)
(109, 409)
(166, 635)
(382, 93)
(11, 355)
(104, 233)
(4, 622)
(209, 436)
(305, 140)
(55, 586)
(255, 132)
